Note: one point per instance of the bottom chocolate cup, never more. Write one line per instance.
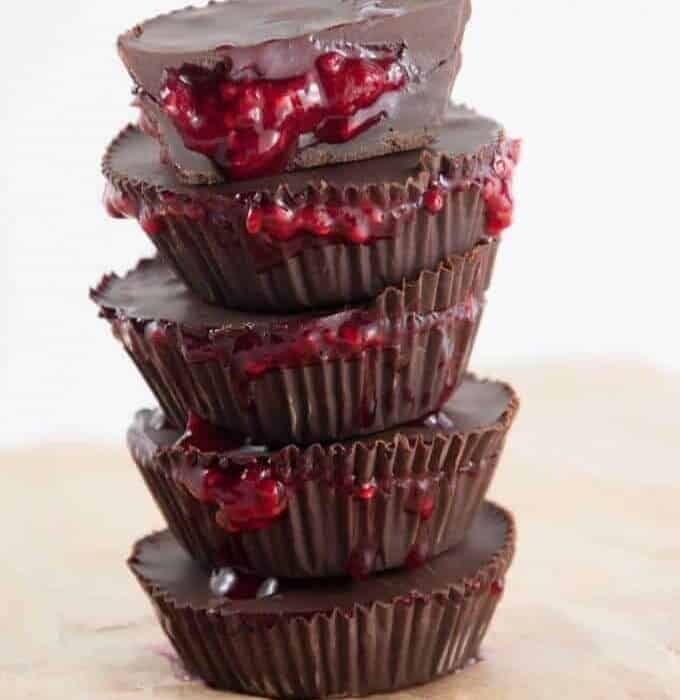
(387, 500)
(335, 637)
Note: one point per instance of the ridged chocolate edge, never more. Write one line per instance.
(323, 402)
(324, 524)
(381, 647)
(217, 261)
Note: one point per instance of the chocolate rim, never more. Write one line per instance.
(432, 291)
(433, 163)
(294, 404)
(451, 469)
(483, 577)
(202, 231)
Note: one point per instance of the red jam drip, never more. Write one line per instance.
(362, 562)
(418, 555)
(420, 501)
(246, 492)
(252, 127)
(366, 491)
(496, 186)
(497, 587)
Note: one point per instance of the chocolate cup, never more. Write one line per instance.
(275, 41)
(398, 496)
(301, 379)
(203, 232)
(333, 637)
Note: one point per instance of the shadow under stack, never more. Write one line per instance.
(326, 224)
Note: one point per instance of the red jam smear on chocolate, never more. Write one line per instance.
(496, 186)
(367, 221)
(252, 127)
(250, 356)
(362, 562)
(345, 335)
(271, 224)
(247, 493)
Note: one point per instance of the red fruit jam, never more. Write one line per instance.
(362, 562)
(252, 127)
(206, 437)
(249, 496)
(418, 555)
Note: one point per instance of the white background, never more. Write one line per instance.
(590, 267)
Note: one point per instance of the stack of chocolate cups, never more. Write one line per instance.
(326, 225)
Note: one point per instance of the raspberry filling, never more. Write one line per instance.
(247, 492)
(252, 127)
(272, 223)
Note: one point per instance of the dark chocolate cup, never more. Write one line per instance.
(392, 631)
(411, 366)
(389, 500)
(203, 232)
(424, 38)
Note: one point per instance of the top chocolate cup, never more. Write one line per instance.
(246, 88)
(323, 237)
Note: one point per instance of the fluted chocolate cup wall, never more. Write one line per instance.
(301, 379)
(389, 500)
(333, 638)
(326, 236)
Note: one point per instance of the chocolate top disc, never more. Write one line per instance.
(152, 291)
(251, 22)
(135, 158)
(486, 550)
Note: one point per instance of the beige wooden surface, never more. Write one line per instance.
(592, 608)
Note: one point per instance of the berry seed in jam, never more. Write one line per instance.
(252, 127)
